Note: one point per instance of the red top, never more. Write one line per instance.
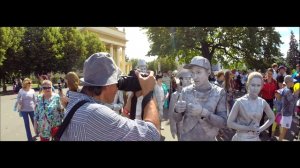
(268, 90)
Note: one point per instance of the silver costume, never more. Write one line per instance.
(247, 112)
(185, 79)
(201, 106)
(196, 127)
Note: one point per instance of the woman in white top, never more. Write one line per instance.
(248, 110)
(27, 100)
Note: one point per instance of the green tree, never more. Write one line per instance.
(293, 52)
(93, 43)
(166, 64)
(43, 50)
(5, 38)
(10, 50)
(153, 65)
(261, 47)
(226, 45)
(134, 62)
(74, 50)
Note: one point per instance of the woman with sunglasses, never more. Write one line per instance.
(48, 114)
(27, 100)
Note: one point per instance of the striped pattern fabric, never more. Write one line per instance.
(96, 122)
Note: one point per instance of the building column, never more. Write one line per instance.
(118, 57)
(111, 50)
(124, 60)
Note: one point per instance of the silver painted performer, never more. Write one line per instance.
(247, 111)
(185, 77)
(201, 106)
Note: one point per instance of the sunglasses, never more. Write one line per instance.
(28, 83)
(46, 88)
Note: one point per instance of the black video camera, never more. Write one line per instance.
(59, 87)
(130, 82)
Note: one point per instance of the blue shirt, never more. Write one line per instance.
(97, 122)
(288, 102)
(295, 76)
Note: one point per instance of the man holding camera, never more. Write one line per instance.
(94, 121)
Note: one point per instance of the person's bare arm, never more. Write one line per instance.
(151, 114)
(64, 101)
(126, 111)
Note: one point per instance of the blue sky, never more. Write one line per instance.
(138, 45)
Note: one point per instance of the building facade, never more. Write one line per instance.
(115, 43)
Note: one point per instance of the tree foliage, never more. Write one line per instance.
(10, 51)
(293, 53)
(165, 65)
(74, 50)
(134, 62)
(255, 46)
(40, 50)
(93, 44)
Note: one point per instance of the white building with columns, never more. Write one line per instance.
(115, 43)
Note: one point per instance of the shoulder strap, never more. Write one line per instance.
(67, 120)
(133, 106)
(145, 101)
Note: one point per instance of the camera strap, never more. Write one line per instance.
(67, 120)
(133, 106)
(145, 101)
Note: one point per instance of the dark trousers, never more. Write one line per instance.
(262, 121)
(26, 122)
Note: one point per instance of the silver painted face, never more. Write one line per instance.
(255, 86)
(186, 81)
(143, 68)
(199, 75)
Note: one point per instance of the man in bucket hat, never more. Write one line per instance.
(201, 106)
(94, 121)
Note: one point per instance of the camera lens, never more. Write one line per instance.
(129, 83)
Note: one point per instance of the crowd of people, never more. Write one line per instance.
(200, 104)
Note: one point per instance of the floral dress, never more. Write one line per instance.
(48, 114)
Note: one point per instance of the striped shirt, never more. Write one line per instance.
(96, 122)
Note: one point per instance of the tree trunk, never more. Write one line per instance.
(205, 51)
(4, 85)
(4, 88)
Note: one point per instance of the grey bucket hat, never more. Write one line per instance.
(100, 70)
